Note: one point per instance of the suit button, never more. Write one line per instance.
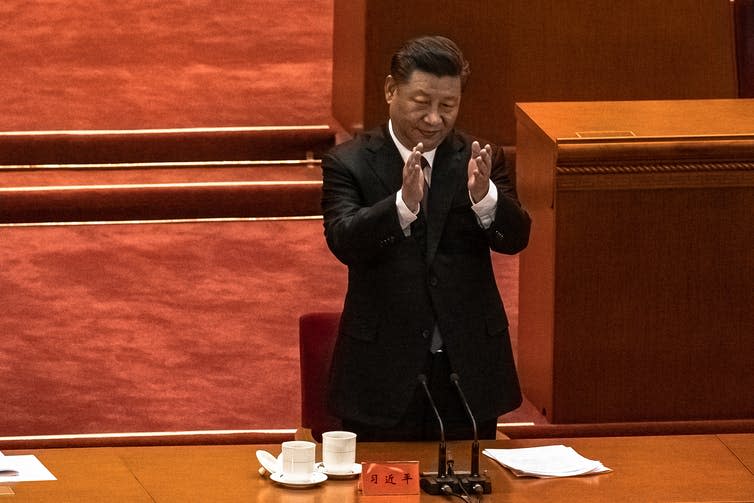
(426, 334)
(433, 281)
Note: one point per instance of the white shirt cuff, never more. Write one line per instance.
(485, 209)
(405, 215)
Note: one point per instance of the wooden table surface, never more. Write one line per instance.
(694, 468)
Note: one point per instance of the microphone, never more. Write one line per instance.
(475, 444)
(443, 482)
(475, 481)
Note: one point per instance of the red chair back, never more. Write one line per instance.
(317, 334)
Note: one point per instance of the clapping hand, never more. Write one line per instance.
(413, 179)
(480, 166)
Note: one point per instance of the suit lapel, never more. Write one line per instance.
(386, 162)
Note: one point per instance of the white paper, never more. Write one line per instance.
(27, 467)
(547, 461)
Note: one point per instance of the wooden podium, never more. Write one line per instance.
(637, 288)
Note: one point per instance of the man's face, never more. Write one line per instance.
(424, 109)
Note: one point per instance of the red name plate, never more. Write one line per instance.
(390, 478)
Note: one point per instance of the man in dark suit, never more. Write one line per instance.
(422, 297)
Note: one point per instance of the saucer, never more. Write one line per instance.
(355, 471)
(316, 479)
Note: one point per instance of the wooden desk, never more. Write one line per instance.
(635, 296)
(671, 469)
(742, 446)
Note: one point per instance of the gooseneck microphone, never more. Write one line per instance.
(475, 444)
(475, 482)
(443, 483)
(442, 456)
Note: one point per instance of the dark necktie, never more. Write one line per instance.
(436, 343)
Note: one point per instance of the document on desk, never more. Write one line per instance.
(25, 468)
(546, 462)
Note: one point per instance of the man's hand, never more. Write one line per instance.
(413, 179)
(480, 166)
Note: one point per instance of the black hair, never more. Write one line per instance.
(436, 55)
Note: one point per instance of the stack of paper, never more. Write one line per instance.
(547, 461)
(23, 468)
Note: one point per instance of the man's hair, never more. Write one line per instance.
(436, 55)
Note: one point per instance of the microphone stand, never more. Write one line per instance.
(443, 483)
(475, 482)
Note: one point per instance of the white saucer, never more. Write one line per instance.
(317, 478)
(355, 471)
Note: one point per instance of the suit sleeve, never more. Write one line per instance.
(360, 224)
(509, 233)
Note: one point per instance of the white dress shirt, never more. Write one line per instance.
(484, 209)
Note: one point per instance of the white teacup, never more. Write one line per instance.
(297, 460)
(338, 451)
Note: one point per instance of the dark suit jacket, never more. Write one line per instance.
(399, 286)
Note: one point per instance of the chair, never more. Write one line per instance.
(317, 334)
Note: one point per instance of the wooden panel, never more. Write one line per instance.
(538, 50)
(165, 145)
(744, 20)
(650, 289)
(653, 289)
(135, 202)
(349, 53)
(536, 298)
